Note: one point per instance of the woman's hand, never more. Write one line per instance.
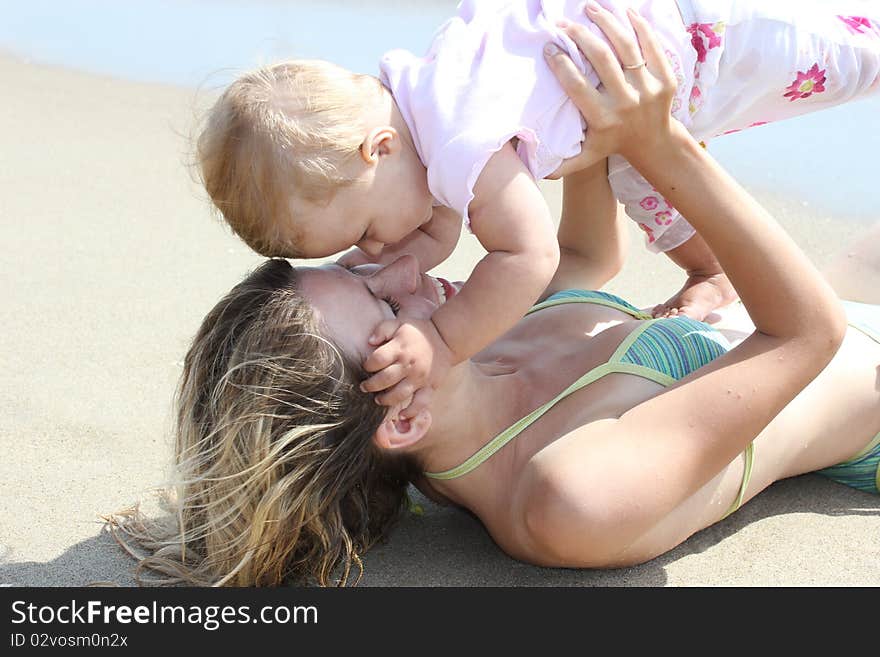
(632, 113)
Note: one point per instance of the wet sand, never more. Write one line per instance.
(112, 256)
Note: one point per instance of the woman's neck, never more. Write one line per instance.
(474, 401)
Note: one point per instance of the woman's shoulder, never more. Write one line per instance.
(552, 506)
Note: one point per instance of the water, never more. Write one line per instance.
(189, 42)
(829, 161)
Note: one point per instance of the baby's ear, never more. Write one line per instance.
(398, 433)
(383, 140)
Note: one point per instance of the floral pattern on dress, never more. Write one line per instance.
(806, 84)
(856, 24)
(696, 101)
(663, 218)
(649, 231)
(649, 203)
(679, 79)
(750, 125)
(705, 37)
(665, 200)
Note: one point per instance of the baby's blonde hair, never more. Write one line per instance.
(289, 127)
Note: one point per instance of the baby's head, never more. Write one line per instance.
(293, 156)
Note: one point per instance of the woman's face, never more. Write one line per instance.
(351, 302)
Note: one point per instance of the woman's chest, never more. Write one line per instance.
(567, 374)
(555, 344)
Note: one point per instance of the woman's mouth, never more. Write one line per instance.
(445, 289)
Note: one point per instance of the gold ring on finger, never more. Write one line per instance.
(635, 66)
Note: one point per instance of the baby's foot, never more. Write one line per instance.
(700, 295)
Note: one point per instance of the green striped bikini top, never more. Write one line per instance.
(662, 350)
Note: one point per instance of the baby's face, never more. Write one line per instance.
(381, 208)
(378, 293)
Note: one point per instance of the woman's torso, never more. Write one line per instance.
(548, 350)
(541, 356)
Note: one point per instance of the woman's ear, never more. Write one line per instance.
(380, 141)
(398, 433)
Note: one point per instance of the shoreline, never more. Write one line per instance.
(113, 257)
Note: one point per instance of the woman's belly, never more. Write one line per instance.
(836, 415)
(831, 420)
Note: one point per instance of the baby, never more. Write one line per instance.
(305, 159)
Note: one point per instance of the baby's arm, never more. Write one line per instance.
(431, 243)
(512, 221)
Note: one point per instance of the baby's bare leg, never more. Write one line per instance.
(855, 272)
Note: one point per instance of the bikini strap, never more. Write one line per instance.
(518, 427)
(521, 425)
(749, 455)
(613, 366)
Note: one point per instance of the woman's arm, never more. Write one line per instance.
(595, 492)
(592, 238)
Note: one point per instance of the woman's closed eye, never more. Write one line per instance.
(394, 303)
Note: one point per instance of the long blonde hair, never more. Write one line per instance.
(278, 478)
(285, 128)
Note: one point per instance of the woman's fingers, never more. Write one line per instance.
(573, 82)
(633, 108)
(621, 38)
(600, 55)
(589, 102)
(586, 158)
(657, 62)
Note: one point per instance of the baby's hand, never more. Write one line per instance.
(413, 359)
(353, 258)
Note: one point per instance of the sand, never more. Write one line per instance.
(112, 256)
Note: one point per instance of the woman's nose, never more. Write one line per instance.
(403, 274)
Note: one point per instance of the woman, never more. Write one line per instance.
(289, 471)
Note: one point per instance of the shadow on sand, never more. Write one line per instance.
(449, 547)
